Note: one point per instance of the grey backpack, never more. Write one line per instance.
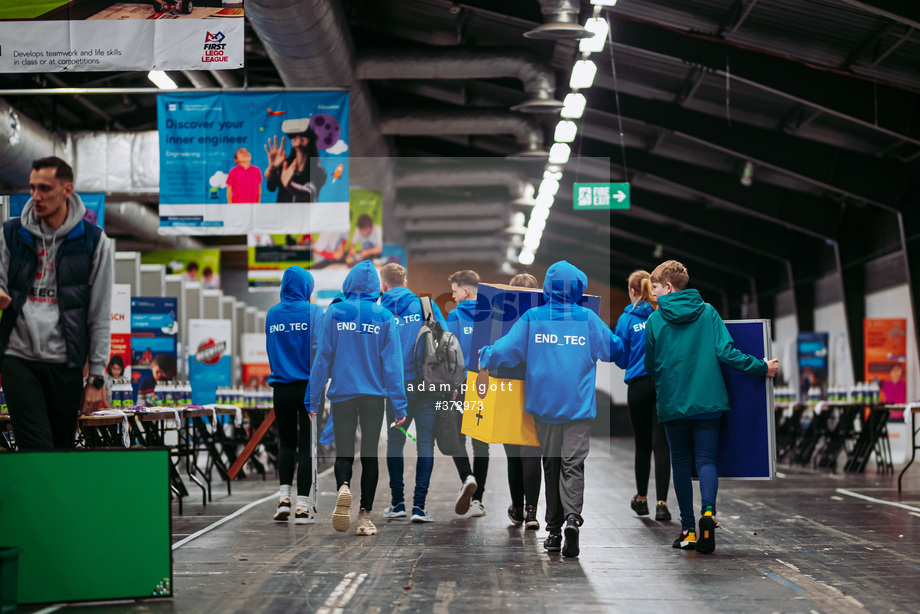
(440, 360)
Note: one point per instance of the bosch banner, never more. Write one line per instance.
(92, 35)
(245, 162)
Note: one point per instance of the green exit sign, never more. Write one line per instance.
(601, 196)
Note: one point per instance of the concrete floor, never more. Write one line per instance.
(802, 543)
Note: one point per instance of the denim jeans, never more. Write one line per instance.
(420, 408)
(694, 439)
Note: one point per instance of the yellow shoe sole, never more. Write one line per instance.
(341, 517)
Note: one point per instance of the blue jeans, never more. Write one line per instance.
(691, 438)
(420, 408)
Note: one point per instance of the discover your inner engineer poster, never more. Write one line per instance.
(244, 162)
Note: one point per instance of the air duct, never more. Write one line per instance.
(538, 78)
(561, 17)
(142, 223)
(519, 187)
(526, 130)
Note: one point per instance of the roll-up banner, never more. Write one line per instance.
(256, 368)
(94, 203)
(154, 351)
(247, 162)
(209, 362)
(119, 365)
(91, 35)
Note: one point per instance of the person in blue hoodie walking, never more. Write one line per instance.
(649, 435)
(420, 407)
(464, 286)
(359, 348)
(292, 330)
(560, 342)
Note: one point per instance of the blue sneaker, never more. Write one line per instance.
(395, 512)
(420, 515)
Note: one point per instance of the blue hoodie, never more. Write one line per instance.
(631, 330)
(407, 308)
(460, 323)
(560, 341)
(359, 346)
(292, 329)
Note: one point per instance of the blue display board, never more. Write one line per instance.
(283, 155)
(747, 441)
(498, 307)
(154, 331)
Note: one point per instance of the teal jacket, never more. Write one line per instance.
(685, 340)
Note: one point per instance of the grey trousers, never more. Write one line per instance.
(565, 447)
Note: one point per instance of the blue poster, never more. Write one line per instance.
(247, 162)
(154, 355)
(94, 202)
(812, 351)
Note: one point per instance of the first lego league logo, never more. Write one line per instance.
(214, 48)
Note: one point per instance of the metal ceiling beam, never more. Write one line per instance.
(850, 174)
(843, 95)
(895, 10)
(806, 214)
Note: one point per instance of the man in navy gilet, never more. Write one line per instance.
(56, 275)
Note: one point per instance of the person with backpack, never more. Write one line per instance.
(420, 405)
(292, 333)
(464, 286)
(359, 348)
(560, 342)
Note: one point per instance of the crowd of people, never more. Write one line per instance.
(365, 347)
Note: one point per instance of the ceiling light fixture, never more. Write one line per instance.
(565, 131)
(596, 43)
(559, 153)
(162, 80)
(573, 106)
(582, 75)
(526, 257)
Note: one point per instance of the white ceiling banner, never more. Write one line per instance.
(61, 36)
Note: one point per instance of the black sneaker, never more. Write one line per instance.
(530, 518)
(515, 515)
(639, 507)
(283, 511)
(706, 543)
(662, 513)
(570, 549)
(686, 540)
(553, 542)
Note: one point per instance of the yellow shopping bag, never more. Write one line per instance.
(498, 417)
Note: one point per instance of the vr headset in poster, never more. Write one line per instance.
(242, 162)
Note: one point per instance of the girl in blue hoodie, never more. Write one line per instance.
(359, 348)
(560, 342)
(292, 332)
(640, 398)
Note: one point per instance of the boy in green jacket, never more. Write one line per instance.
(685, 340)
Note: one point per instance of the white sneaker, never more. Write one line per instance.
(283, 511)
(303, 516)
(341, 516)
(395, 512)
(477, 510)
(465, 495)
(365, 524)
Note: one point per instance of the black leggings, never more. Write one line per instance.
(346, 415)
(649, 436)
(525, 473)
(295, 443)
(480, 468)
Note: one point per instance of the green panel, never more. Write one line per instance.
(28, 9)
(92, 525)
(588, 196)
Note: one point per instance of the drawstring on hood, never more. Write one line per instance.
(31, 222)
